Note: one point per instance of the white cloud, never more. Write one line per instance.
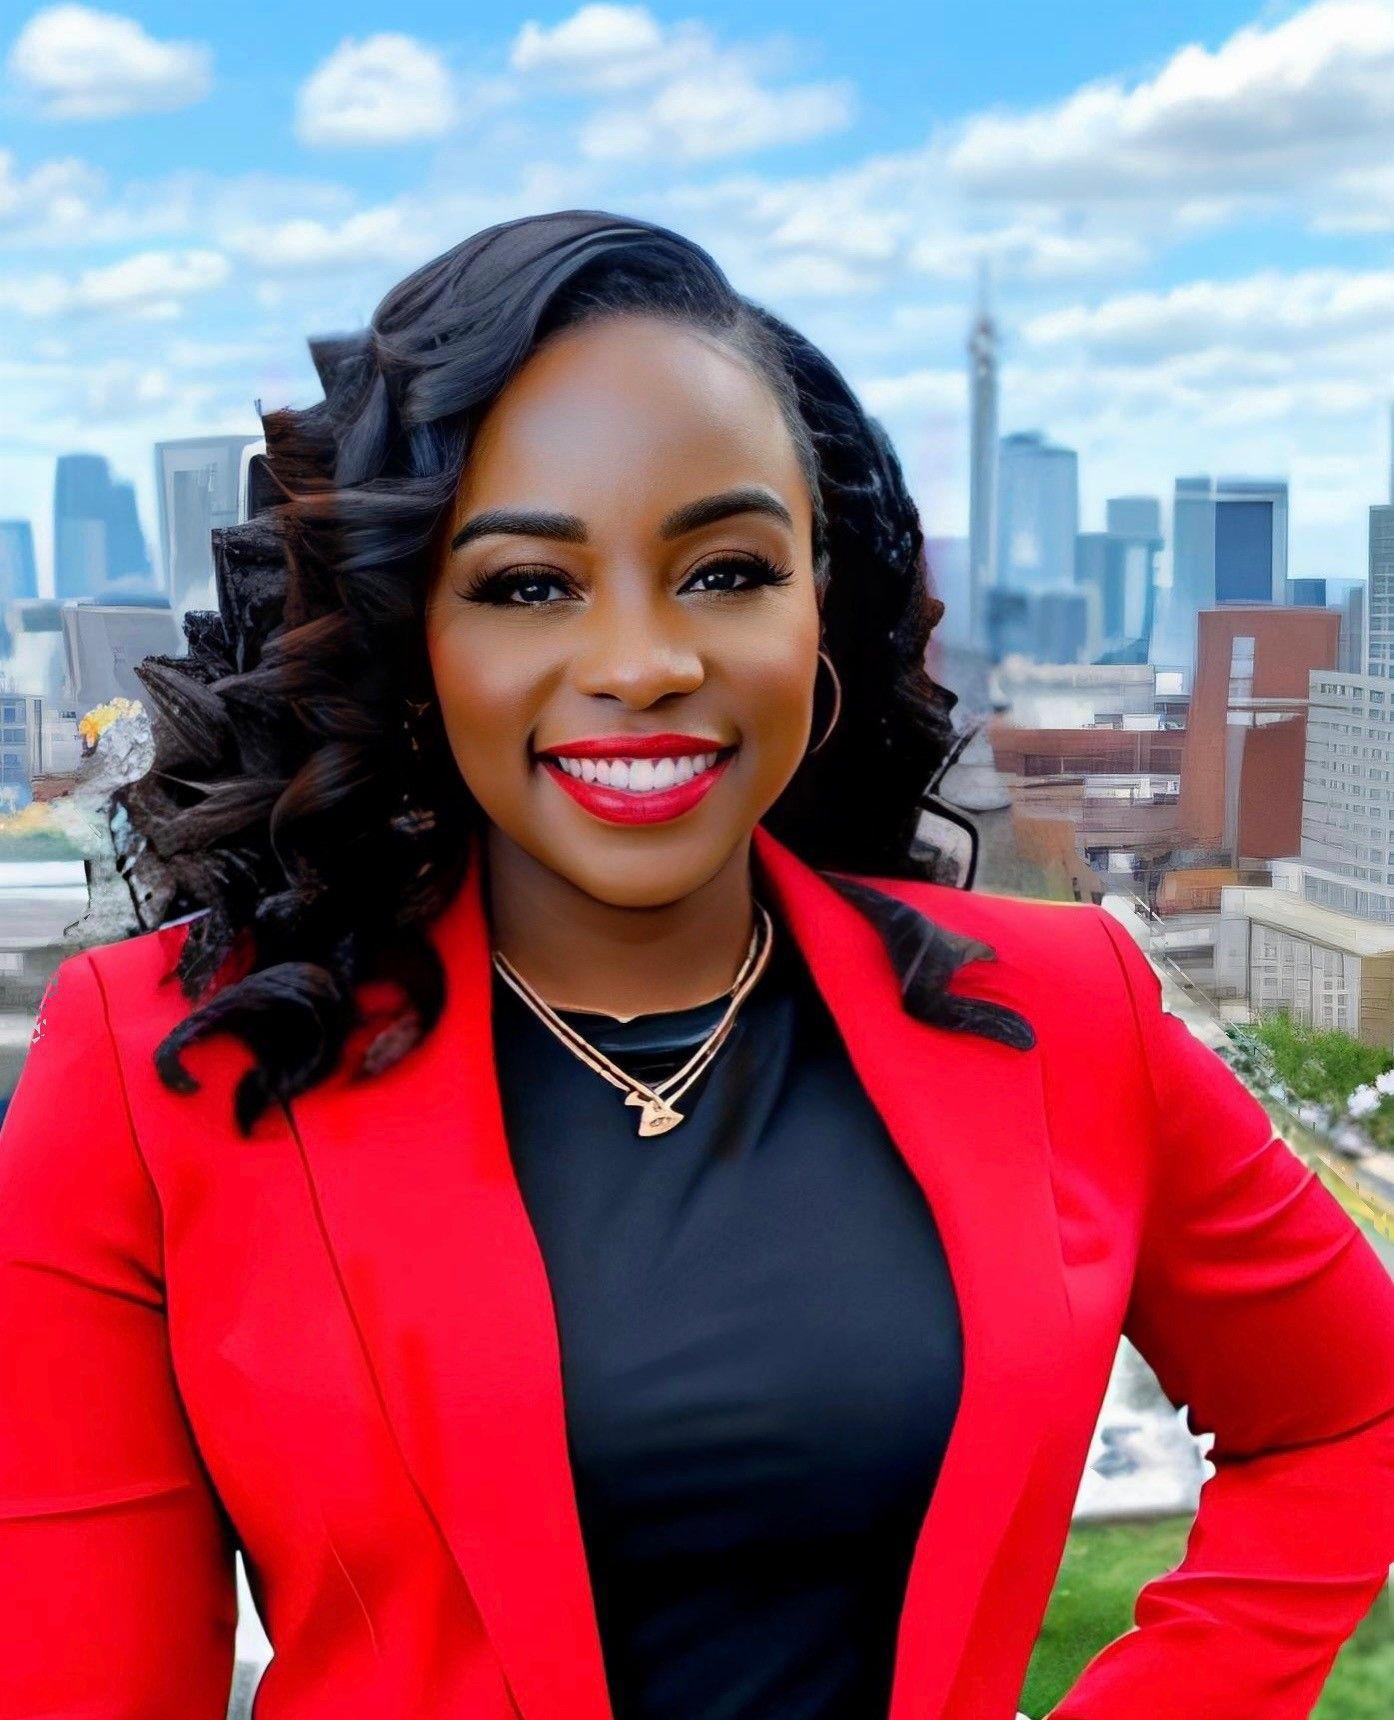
(862, 215)
(889, 222)
(61, 193)
(71, 205)
(386, 234)
(1274, 106)
(1027, 249)
(1295, 312)
(917, 391)
(677, 93)
(81, 64)
(601, 47)
(149, 285)
(388, 88)
(702, 118)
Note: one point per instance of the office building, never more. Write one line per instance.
(105, 641)
(1243, 765)
(1353, 657)
(97, 541)
(1324, 968)
(1379, 594)
(18, 572)
(1136, 521)
(1229, 545)
(1307, 593)
(21, 747)
(1346, 858)
(35, 659)
(1251, 540)
(1120, 566)
(197, 485)
(1037, 513)
(1044, 626)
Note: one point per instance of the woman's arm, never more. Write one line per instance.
(117, 1596)
(1263, 1309)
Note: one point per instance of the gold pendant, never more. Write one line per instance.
(659, 1116)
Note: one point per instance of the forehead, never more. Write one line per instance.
(626, 413)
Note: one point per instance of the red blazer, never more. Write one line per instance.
(335, 1342)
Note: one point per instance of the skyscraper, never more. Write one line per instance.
(1379, 594)
(1251, 540)
(1037, 513)
(196, 481)
(982, 494)
(96, 533)
(1134, 524)
(1229, 545)
(18, 576)
(126, 551)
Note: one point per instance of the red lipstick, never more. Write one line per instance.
(631, 806)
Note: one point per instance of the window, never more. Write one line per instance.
(1241, 666)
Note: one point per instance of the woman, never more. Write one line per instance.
(614, 1236)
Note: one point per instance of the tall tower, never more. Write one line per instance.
(982, 477)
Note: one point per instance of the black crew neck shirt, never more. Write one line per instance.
(760, 1344)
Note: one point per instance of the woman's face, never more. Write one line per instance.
(659, 606)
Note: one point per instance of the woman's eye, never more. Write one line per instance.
(755, 570)
(521, 588)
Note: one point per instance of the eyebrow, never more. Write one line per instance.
(570, 528)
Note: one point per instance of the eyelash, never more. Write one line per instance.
(495, 587)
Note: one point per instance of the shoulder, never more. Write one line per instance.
(144, 1001)
(138, 978)
(1047, 941)
(1069, 969)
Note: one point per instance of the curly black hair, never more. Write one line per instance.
(270, 816)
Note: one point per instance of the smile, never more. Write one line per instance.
(637, 787)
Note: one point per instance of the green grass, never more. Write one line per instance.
(1104, 1567)
(40, 845)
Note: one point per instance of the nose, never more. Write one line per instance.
(638, 653)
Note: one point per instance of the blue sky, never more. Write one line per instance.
(1188, 215)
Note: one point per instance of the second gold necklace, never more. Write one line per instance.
(657, 1111)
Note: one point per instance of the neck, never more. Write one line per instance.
(578, 952)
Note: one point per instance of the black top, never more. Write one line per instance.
(760, 1345)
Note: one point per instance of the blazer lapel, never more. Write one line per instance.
(448, 1289)
(444, 1278)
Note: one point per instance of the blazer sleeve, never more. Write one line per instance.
(117, 1591)
(1264, 1310)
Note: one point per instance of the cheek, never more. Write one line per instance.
(775, 666)
(773, 687)
(487, 695)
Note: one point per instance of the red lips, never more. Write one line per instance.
(621, 806)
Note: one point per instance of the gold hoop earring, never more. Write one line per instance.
(837, 700)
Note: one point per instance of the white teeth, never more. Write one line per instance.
(638, 775)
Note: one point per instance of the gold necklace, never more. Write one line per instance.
(657, 1112)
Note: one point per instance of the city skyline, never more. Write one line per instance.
(1170, 298)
